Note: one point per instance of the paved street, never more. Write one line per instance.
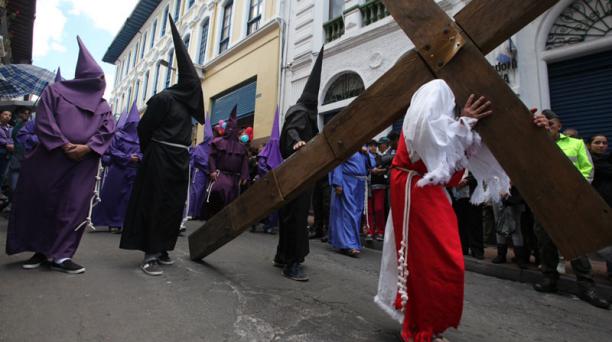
(238, 296)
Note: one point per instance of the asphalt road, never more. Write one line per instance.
(237, 295)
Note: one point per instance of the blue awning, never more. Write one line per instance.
(244, 97)
(132, 25)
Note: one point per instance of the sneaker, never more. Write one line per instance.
(68, 266)
(294, 271)
(152, 268)
(369, 238)
(379, 237)
(34, 261)
(165, 259)
(561, 266)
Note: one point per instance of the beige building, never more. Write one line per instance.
(235, 45)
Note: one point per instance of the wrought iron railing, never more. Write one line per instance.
(334, 29)
(372, 11)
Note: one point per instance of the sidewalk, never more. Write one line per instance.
(511, 271)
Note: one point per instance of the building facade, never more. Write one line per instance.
(562, 60)
(235, 45)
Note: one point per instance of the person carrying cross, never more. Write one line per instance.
(422, 271)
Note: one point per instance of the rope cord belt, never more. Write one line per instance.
(171, 144)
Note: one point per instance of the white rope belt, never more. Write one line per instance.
(95, 199)
(402, 267)
(171, 144)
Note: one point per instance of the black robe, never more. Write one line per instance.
(155, 209)
(293, 245)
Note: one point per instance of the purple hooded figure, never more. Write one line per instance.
(75, 126)
(228, 166)
(199, 173)
(124, 156)
(157, 204)
(268, 159)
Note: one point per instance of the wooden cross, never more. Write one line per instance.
(575, 217)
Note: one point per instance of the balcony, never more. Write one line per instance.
(334, 29)
(356, 17)
(372, 11)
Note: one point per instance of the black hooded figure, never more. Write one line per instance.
(300, 126)
(155, 209)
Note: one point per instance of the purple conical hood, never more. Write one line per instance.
(208, 131)
(188, 90)
(58, 75)
(87, 88)
(129, 131)
(122, 120)
(231, 130)
(86, 67)
(271, 152)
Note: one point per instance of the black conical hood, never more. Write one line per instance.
(188, 90)
(186, 71)
(310, 95)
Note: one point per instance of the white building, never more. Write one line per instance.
(562, 60)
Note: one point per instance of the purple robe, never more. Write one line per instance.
(120, 172)
(53, 195)
(26, 136)
(228, 156)
(118, 182)
(346, 209)
(199, 178)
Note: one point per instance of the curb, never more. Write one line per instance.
(510, 271)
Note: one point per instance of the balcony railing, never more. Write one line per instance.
(334, 29)
(372, 11)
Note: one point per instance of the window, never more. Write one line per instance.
(190, 3)
(169, 71)
(177, 10)
(127, 69)
(255, 9)
(203, 42)
(153, 34)
(335, 8)
(136, 90)
(227, 26)
(164, 21)
(156, 79)
(144, 45)
(118, 73)
(344, 87)
(136, 54)
(145, 86)
(187, 40)
(129, 99)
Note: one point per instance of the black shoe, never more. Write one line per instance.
(165, 259)
(590, 296)
(324, 239)
(152, 268)
(34, 261)
(294, 271)
(68, 267)
(547, 286)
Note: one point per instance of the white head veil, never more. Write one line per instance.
(446, 145)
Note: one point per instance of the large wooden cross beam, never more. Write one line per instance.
(576, 218)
